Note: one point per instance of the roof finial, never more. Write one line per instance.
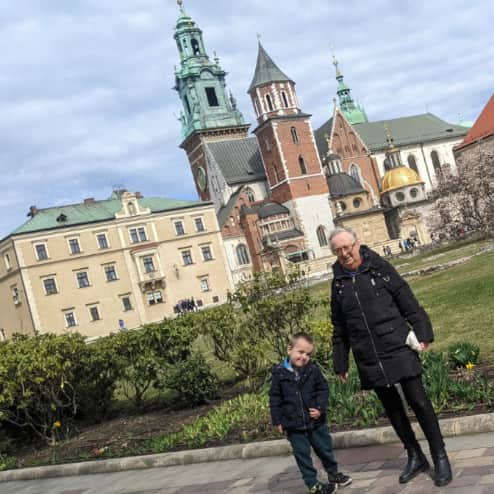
(335, 63)
(181, 4)
(258, 37)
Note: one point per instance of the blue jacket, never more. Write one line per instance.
(291, 396)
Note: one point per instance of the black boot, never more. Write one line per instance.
(442, 468)
(417, 463)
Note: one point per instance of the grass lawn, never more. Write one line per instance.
(459, 300)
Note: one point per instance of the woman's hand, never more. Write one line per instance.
(343, 377)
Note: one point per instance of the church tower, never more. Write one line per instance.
(209, 112)
(355, 114)
(289, 153)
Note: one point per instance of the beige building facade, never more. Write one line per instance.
(101, 266)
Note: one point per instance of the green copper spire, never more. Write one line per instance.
(200, 82)
(354, 113)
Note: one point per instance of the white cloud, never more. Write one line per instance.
(85, 85)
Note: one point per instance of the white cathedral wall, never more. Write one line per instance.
(309, 213)
(239, 272)
(444, 150)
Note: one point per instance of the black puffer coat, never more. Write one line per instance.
(372, 313)
(290, 400)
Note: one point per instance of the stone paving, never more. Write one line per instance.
(374, 470)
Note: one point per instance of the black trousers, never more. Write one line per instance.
(421, 405)
(320, 440)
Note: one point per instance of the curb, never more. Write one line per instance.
(473, 424)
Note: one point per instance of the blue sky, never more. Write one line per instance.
(85, 85)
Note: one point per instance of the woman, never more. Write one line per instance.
(373, 309)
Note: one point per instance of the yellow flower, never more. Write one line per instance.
(470, 366)
(57, 424)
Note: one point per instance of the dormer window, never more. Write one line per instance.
(61, 218)
(132, 209)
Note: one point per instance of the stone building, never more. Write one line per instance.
(340, 173)
(99, 266)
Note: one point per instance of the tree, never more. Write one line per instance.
(465, 202)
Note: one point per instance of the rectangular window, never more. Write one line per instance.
(148, 264)
(207, 255)
(187, 257)
(41, 253)
(82, 279)
(74, 246)
(102, 241)
(179, 228)
(216, 299)
(199, 224)
(138, 235)
(70, 320)
(155, 298)
(110, 273)
(50, 286)
(6, 258)
(212, 98)
(94, 313)
(204, 285)
(127, 305)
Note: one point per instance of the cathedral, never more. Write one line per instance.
(279, 190)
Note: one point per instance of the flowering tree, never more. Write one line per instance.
(465, 202)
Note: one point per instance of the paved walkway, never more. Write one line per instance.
(375, 470)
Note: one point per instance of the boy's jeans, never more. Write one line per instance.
(320, 440)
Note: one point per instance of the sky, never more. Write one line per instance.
(86, 98)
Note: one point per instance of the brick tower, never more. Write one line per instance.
(289, 153)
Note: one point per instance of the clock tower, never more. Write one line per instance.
(209, 112)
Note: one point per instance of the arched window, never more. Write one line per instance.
(387, 164)
(195, 47)
(187, 105)
(256, 106)
(301, 163)
(242, 254)
(284, 99)
(412, 163)
(436, 164)
(293, 131)
(321, 236)
(250, 194)
(354, 172)
(269, 102)
(132, 208)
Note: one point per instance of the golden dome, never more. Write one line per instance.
(399, 177)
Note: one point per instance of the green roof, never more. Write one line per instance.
(408, 130)
(92, 212)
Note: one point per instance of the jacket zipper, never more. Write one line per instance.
(381, 366)
(299, 393)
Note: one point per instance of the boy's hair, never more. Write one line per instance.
(301, 335)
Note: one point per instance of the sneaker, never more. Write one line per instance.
(319, 488)
(340, 479)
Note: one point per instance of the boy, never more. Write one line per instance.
(298, 399)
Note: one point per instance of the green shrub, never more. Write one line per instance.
(45, 381)
(462, 353)
(322, 331)
(192, 380)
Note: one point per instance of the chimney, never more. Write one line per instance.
(138, 195)
(88, 200)
(33, 211)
